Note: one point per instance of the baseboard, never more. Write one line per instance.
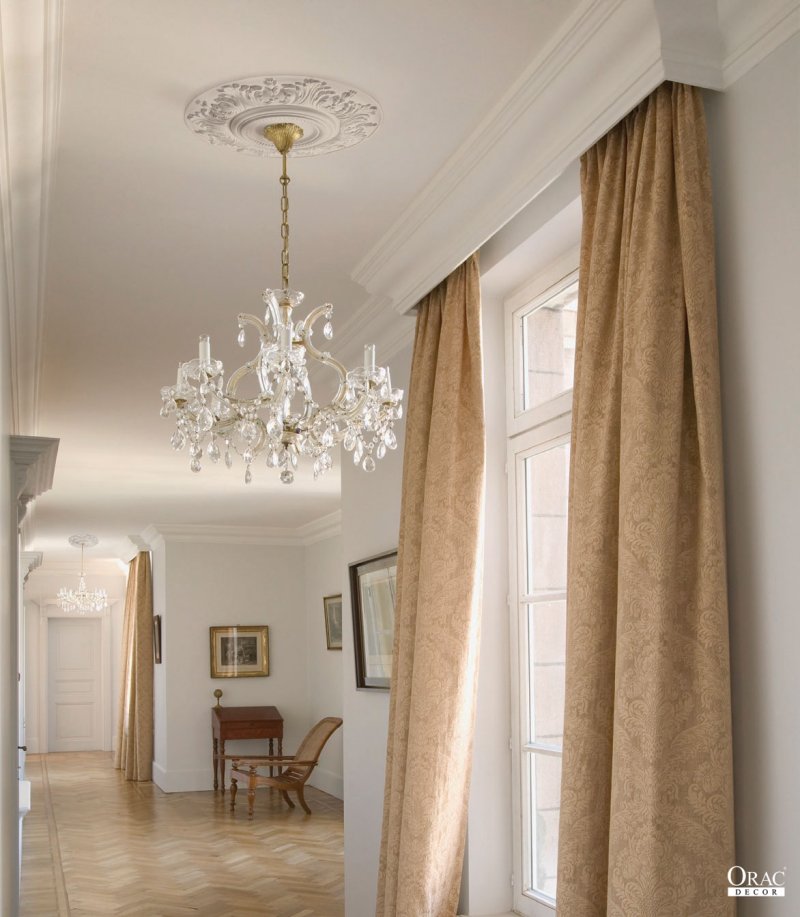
(193, 781)
(328, 782)
(33, 745)
(172, 781)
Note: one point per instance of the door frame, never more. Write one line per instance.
(46, 613)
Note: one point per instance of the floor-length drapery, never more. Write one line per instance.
(437, 622)
(647, 801)
(134, 749)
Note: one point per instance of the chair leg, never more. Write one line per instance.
(251, 792)
(234, 788)
(288, 800)
(302, 798)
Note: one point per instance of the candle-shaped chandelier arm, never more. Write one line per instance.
(283, 421)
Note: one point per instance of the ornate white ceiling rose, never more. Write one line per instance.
(333, 115)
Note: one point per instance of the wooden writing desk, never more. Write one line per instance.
(243, 723)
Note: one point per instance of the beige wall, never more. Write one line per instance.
(755, 146)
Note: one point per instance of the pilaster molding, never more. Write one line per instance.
(604, 60)
(28, 562)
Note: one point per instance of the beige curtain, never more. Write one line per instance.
(437, 620)
(647, 799)
(134, 752)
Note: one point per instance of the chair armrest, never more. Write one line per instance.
(284, 762)
(268, 758)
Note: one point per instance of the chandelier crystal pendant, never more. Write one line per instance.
(282, 422)
(82, 600)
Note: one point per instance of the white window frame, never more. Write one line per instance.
(531, 431)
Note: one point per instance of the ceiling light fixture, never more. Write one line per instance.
(82, 600)
(282, 421)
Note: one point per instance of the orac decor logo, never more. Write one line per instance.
(745, 884)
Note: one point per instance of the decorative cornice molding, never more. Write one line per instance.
(604, 60)
(33, 460)
(30, 61)
(271, 536)
(92, 567)
(761, 28)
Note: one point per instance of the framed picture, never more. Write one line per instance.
(333, 621)
(373, 587)
(239, 652)
(157, 639)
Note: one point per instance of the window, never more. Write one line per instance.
(541, 323)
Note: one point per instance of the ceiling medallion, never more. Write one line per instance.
(282, 421)
(82, 600)
(331, 115)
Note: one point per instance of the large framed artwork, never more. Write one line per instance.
(241, 651)
(373, 588)
(333, 621)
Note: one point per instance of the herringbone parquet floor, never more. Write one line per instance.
(95, 845)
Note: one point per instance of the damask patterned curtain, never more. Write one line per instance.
(435, 663)
(134, 749)
(647, 795)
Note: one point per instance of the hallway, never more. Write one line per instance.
(95, 845)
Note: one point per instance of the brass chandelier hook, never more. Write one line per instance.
(283, 137)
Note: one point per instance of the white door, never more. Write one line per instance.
(74, 702)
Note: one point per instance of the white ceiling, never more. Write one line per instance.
(155, 236)
(129, 235)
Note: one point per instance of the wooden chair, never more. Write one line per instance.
(293, 770)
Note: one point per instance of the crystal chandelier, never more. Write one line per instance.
(82, 600)
(282, 421)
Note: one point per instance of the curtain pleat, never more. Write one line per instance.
(134, 749)
(437, 622)
(646, 822)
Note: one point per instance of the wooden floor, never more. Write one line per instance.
(95, 845)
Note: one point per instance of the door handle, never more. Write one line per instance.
(22, 747)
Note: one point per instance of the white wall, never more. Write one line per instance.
(754, 133)
(219, 584)
(370, 526)
(324, 575)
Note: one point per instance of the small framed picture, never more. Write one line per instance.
(373, 587)
(157, 639)
(333, 621)
(241, 651)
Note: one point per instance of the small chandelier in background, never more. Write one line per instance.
(282, 422)
(82, 600)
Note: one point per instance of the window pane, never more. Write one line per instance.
(546, 485)
(544, 773)
(546, 651)
(548, 347)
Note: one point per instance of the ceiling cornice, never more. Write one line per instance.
(604, 60)
(269, 536)
(30, 71)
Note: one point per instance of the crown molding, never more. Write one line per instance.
(92, 567)
(757, 30)
(269, 536)
(607, 57)
(30, 72)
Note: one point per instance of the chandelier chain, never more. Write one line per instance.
(285, 225)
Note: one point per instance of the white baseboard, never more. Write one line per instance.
(172, 781)
(33, 745)
(193, 781)
(328, 782)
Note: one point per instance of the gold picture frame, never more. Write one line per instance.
(333, 621)
(239, 651)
